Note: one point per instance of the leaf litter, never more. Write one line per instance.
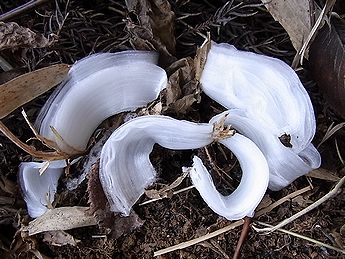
(183, 211)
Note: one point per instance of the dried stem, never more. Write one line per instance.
(243, 237)
(199, 239)
(304, 237)
(282, 200)
(22, 9)
(50, 155)
(329, 195)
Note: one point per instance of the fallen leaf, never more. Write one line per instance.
(166, 191)
(327, 62)
(339, 240)
(151, 23)
(342, 231)
(183, 89)
(22, 244)
(63, 218)
(322, 18)
(323, 174)
(265, 202)
(303, 200)
(25, 88)
(59, 238)
(14, 36)
(201, 56)
(295, 16)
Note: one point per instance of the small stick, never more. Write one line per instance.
(50, 155)
(282, 200)
(243, 237)
(319, 243)
(199, 239)
(227, 228)
(22, 9)
(329, 195)
(175, 192)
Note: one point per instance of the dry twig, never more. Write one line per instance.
(229, 227)
(304, 237)
(50, 155)
(22, 9)
(329, 195)
(243, 237)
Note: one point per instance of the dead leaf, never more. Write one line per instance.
(14, 36)
(322, 17)
(59, 238)
(201, 56)
(303, 200)
(295, 16)
(183, 90)
(25, 88)
(342, 231)
(63, 218)
(167, 191)
(24, 244)
(327, 62)
(110, 223)
(338, 239)
(265, 202)
(151, 24)
(324, 174)
(43, 155)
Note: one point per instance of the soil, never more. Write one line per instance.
(84, 27)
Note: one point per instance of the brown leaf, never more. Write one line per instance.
(151, 23)
(295, 16)
(24, 244)
(265, 202)
(201, 56)
(59, 238)
(324, 174)
(303, 200)
(183, 89)
(108, 221)
(166, 191)
(14, 36)
(63, 218)
(327, 61)
(25, 88)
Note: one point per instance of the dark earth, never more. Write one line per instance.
(78, 28)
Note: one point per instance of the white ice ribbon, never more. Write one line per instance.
(243, 201)
(284, 164)
(96, 88)
(264, 88)
(125, 167)
(38, 190)
(266, 100)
